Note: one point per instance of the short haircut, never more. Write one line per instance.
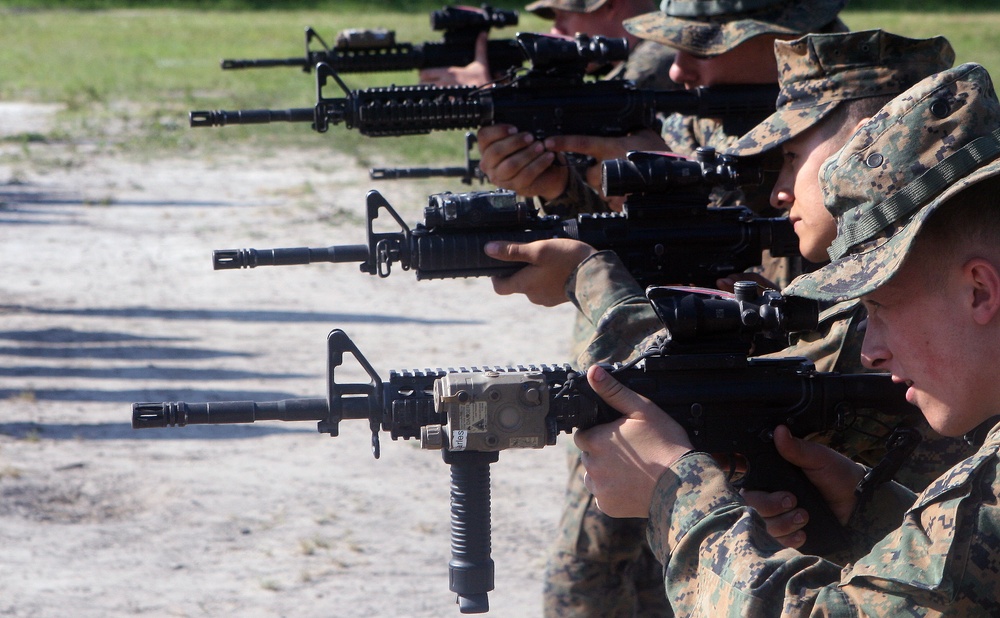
(966, 226)
(848, 114)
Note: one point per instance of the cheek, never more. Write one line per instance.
(932, 358)
(573, 24)
(826, 233)
(708, 74)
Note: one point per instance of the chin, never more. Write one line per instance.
(814, 254)
(950, 425)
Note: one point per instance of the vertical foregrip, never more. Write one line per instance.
(470, 571)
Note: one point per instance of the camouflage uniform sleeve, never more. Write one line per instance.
(719, 560)
(678, 132)
(615, 304)
(873, 519)
(578, 197)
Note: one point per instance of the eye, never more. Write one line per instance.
(871, 306)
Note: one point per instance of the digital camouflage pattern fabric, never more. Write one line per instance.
(940, 561)
(819, 71)
(946, 130)
(545, 8)
(708, 29)
(599, 565)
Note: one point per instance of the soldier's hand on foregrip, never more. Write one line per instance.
(550, 263)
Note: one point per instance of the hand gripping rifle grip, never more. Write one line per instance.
(824, 533)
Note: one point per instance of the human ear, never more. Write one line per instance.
(984, 278)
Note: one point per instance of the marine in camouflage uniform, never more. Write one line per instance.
(820, 72)
(695, 28)
(939, 552)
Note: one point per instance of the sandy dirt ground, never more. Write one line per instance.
(108, 297)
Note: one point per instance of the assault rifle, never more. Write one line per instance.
(370, 51)
(675, 240)
(700, 375)
(552, 98)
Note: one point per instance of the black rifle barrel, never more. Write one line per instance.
(221, 118)
(262, 63)
(713, 101)
(226, 259)
(179, 414)
(395, 173)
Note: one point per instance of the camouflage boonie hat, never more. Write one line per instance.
(546, 8)
(712, 27)
(925, 146)
(818, 71)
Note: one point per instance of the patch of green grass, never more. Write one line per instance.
(923, 6)
(973, 35)
(128, 77)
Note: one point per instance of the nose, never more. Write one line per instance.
(782, 195)
(684, 69)
(875, 353)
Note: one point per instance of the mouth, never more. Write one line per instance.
(911, 394)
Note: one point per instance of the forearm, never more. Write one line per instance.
(615, 304)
